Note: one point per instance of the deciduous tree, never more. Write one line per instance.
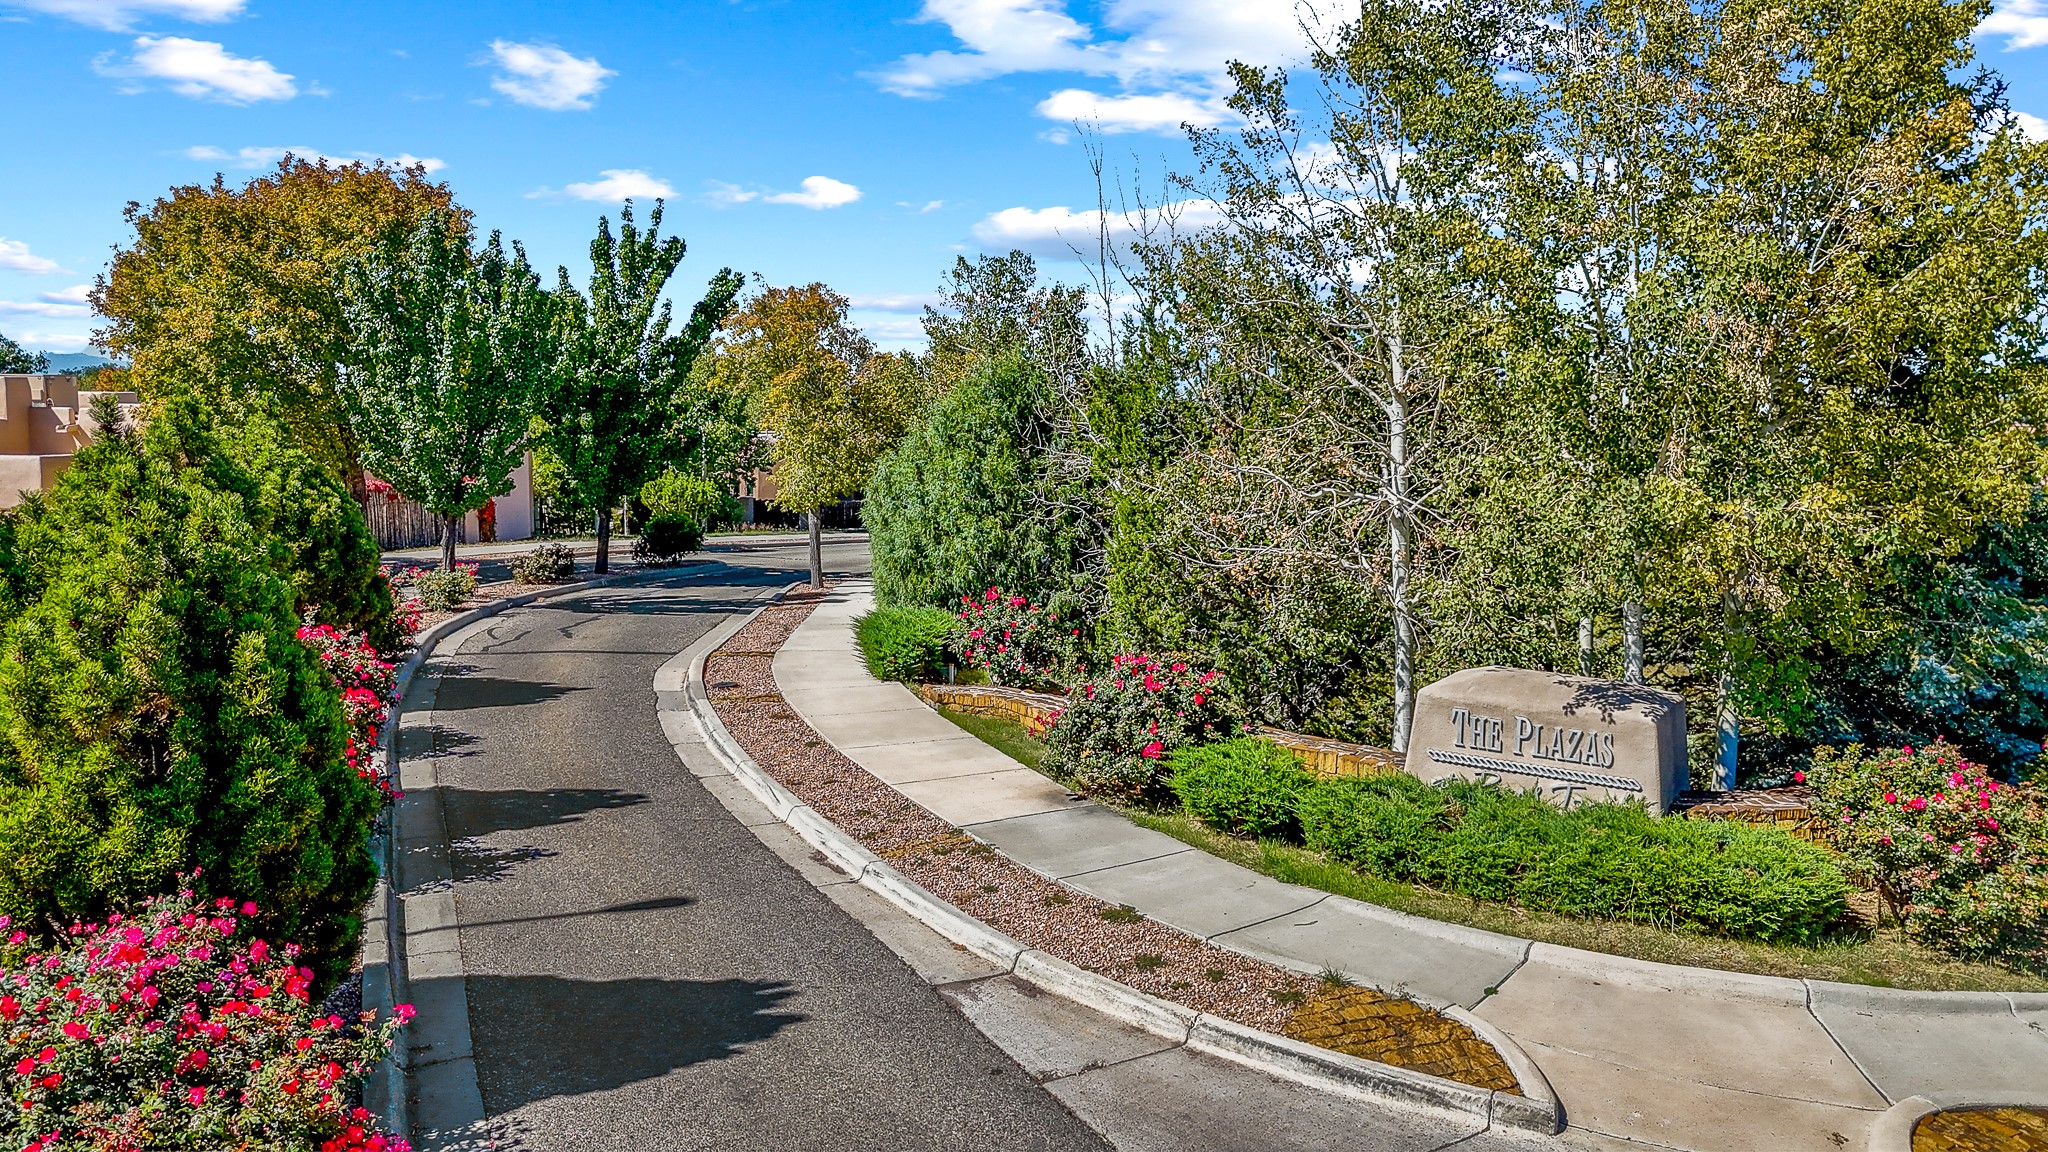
(447, 348)
(232, 293)
(833, 404)
(611, 410)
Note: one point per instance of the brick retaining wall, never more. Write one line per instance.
(1786, 808)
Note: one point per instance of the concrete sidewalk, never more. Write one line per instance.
(1653, 1053)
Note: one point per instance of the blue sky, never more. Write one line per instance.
(863, 144)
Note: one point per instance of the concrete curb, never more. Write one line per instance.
(1892, 1131)
(386, 982)
(1276, 1055)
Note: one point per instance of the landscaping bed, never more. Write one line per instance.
(1882, 958)
(1044, 914)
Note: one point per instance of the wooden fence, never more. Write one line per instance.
(401, 523)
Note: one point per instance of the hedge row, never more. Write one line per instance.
(1599, 860)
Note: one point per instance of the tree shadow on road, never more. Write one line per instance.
(470, 813)
(537, 1037)
(461, 692)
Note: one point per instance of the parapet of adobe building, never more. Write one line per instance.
(43, 420)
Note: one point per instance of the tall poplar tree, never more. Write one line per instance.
(1361, 208)
(447, 349)
(611, 410)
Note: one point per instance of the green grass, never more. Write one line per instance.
(1003, 734)
(1885, 958)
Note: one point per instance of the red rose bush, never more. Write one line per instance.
(366, 682)
(1117, 729)
(1016, 642)
(173, 1030)
(1957, 857)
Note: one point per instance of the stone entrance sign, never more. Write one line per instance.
(1572, 738)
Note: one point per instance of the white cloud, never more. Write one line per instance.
(2023, 23)
(544, 76)
(896, 332)
(43, 308)
(818, 192)
(1161, 112)
(52, 341)
(723, 195)
(619, 184)
(1167, 55)
(1001, 36)
(120, 15)
(262, 157)
(1057, 233)
(2030, 126)
(921, 209)
(15, 257)
(911, 302)
(202, 70)
(76, 294)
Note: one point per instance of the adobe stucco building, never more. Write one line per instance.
(43, 420)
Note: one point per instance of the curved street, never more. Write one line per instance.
(641, 971)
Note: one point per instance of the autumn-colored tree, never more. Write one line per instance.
(815, 382)
(611, 409)
(232, 293)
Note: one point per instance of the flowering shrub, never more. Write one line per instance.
(367, 684)
(167, 1031)
(545, 564)
(406, 606)
(434, 589)
(1015, 641)
(1117, 729)
(1960, 859)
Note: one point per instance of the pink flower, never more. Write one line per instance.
(1916, 803)
(1891, 797)
(1152, 751)
(1799, 777)
(196, 1096)
(404, 1012)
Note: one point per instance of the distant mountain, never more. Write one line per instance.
(73, 361)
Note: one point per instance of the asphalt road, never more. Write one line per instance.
(642, 972)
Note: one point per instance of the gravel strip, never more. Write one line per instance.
(1041, 913)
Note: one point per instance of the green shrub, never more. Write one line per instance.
(693, 498)
(1246, 787)
(1959, 858)
(158, 713)
(665, 540)
(331, 558)
(444, 590)
(1601, 860)
(1116, 730)
(545, 565)
(905, 643)
(972, 499)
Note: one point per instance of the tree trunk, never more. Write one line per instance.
(451, 528)
(1585, 645)
(1399, 545)
(1729, 737)
(604, 541)
(817, 518)
(1632, 642)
